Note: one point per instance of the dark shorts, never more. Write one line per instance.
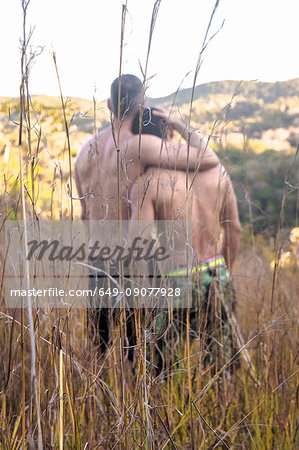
(213, 302)
(100, 318)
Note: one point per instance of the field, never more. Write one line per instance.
(88, 400)
(101, 403)
(58, 390)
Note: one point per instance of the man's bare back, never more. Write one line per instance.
(110, 161)
(97, 175)
(211, 207)
(96, 170)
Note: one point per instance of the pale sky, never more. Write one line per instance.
(259, 40)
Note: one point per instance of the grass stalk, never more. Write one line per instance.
(24, 73)
(66, 127)
(61, 439)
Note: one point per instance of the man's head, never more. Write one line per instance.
(151, 124)
(130, 95)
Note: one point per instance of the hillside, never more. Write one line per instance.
(269, 92)
(265, 113)
(246, 122)
(268, 113)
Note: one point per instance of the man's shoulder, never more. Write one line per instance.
(90, 145)
(82, 155)
(144, 139)
(85, 148)
(148, 145)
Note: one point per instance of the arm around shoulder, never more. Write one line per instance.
(196, 153)
(174, 155)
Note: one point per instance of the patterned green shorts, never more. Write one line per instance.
(210, 323)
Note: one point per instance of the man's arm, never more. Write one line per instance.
(173, 155)
(201, 156)
(170, 154)
(231, 225)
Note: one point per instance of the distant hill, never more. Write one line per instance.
(269, 92)
(267, 114)
(253, 126)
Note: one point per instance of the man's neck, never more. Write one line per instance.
(125, 125)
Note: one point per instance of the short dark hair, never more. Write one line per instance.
(130, 94)
(150, 124)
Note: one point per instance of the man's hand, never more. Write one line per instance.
(170, 118)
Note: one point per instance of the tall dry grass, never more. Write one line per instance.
(58, 391)
(82, 392)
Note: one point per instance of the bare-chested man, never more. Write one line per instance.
(96, 170)
(212, 209)
(108, 163)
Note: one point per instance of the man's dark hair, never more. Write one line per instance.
(151, 124)
(130, 94)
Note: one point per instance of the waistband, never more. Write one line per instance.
(211, 263)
